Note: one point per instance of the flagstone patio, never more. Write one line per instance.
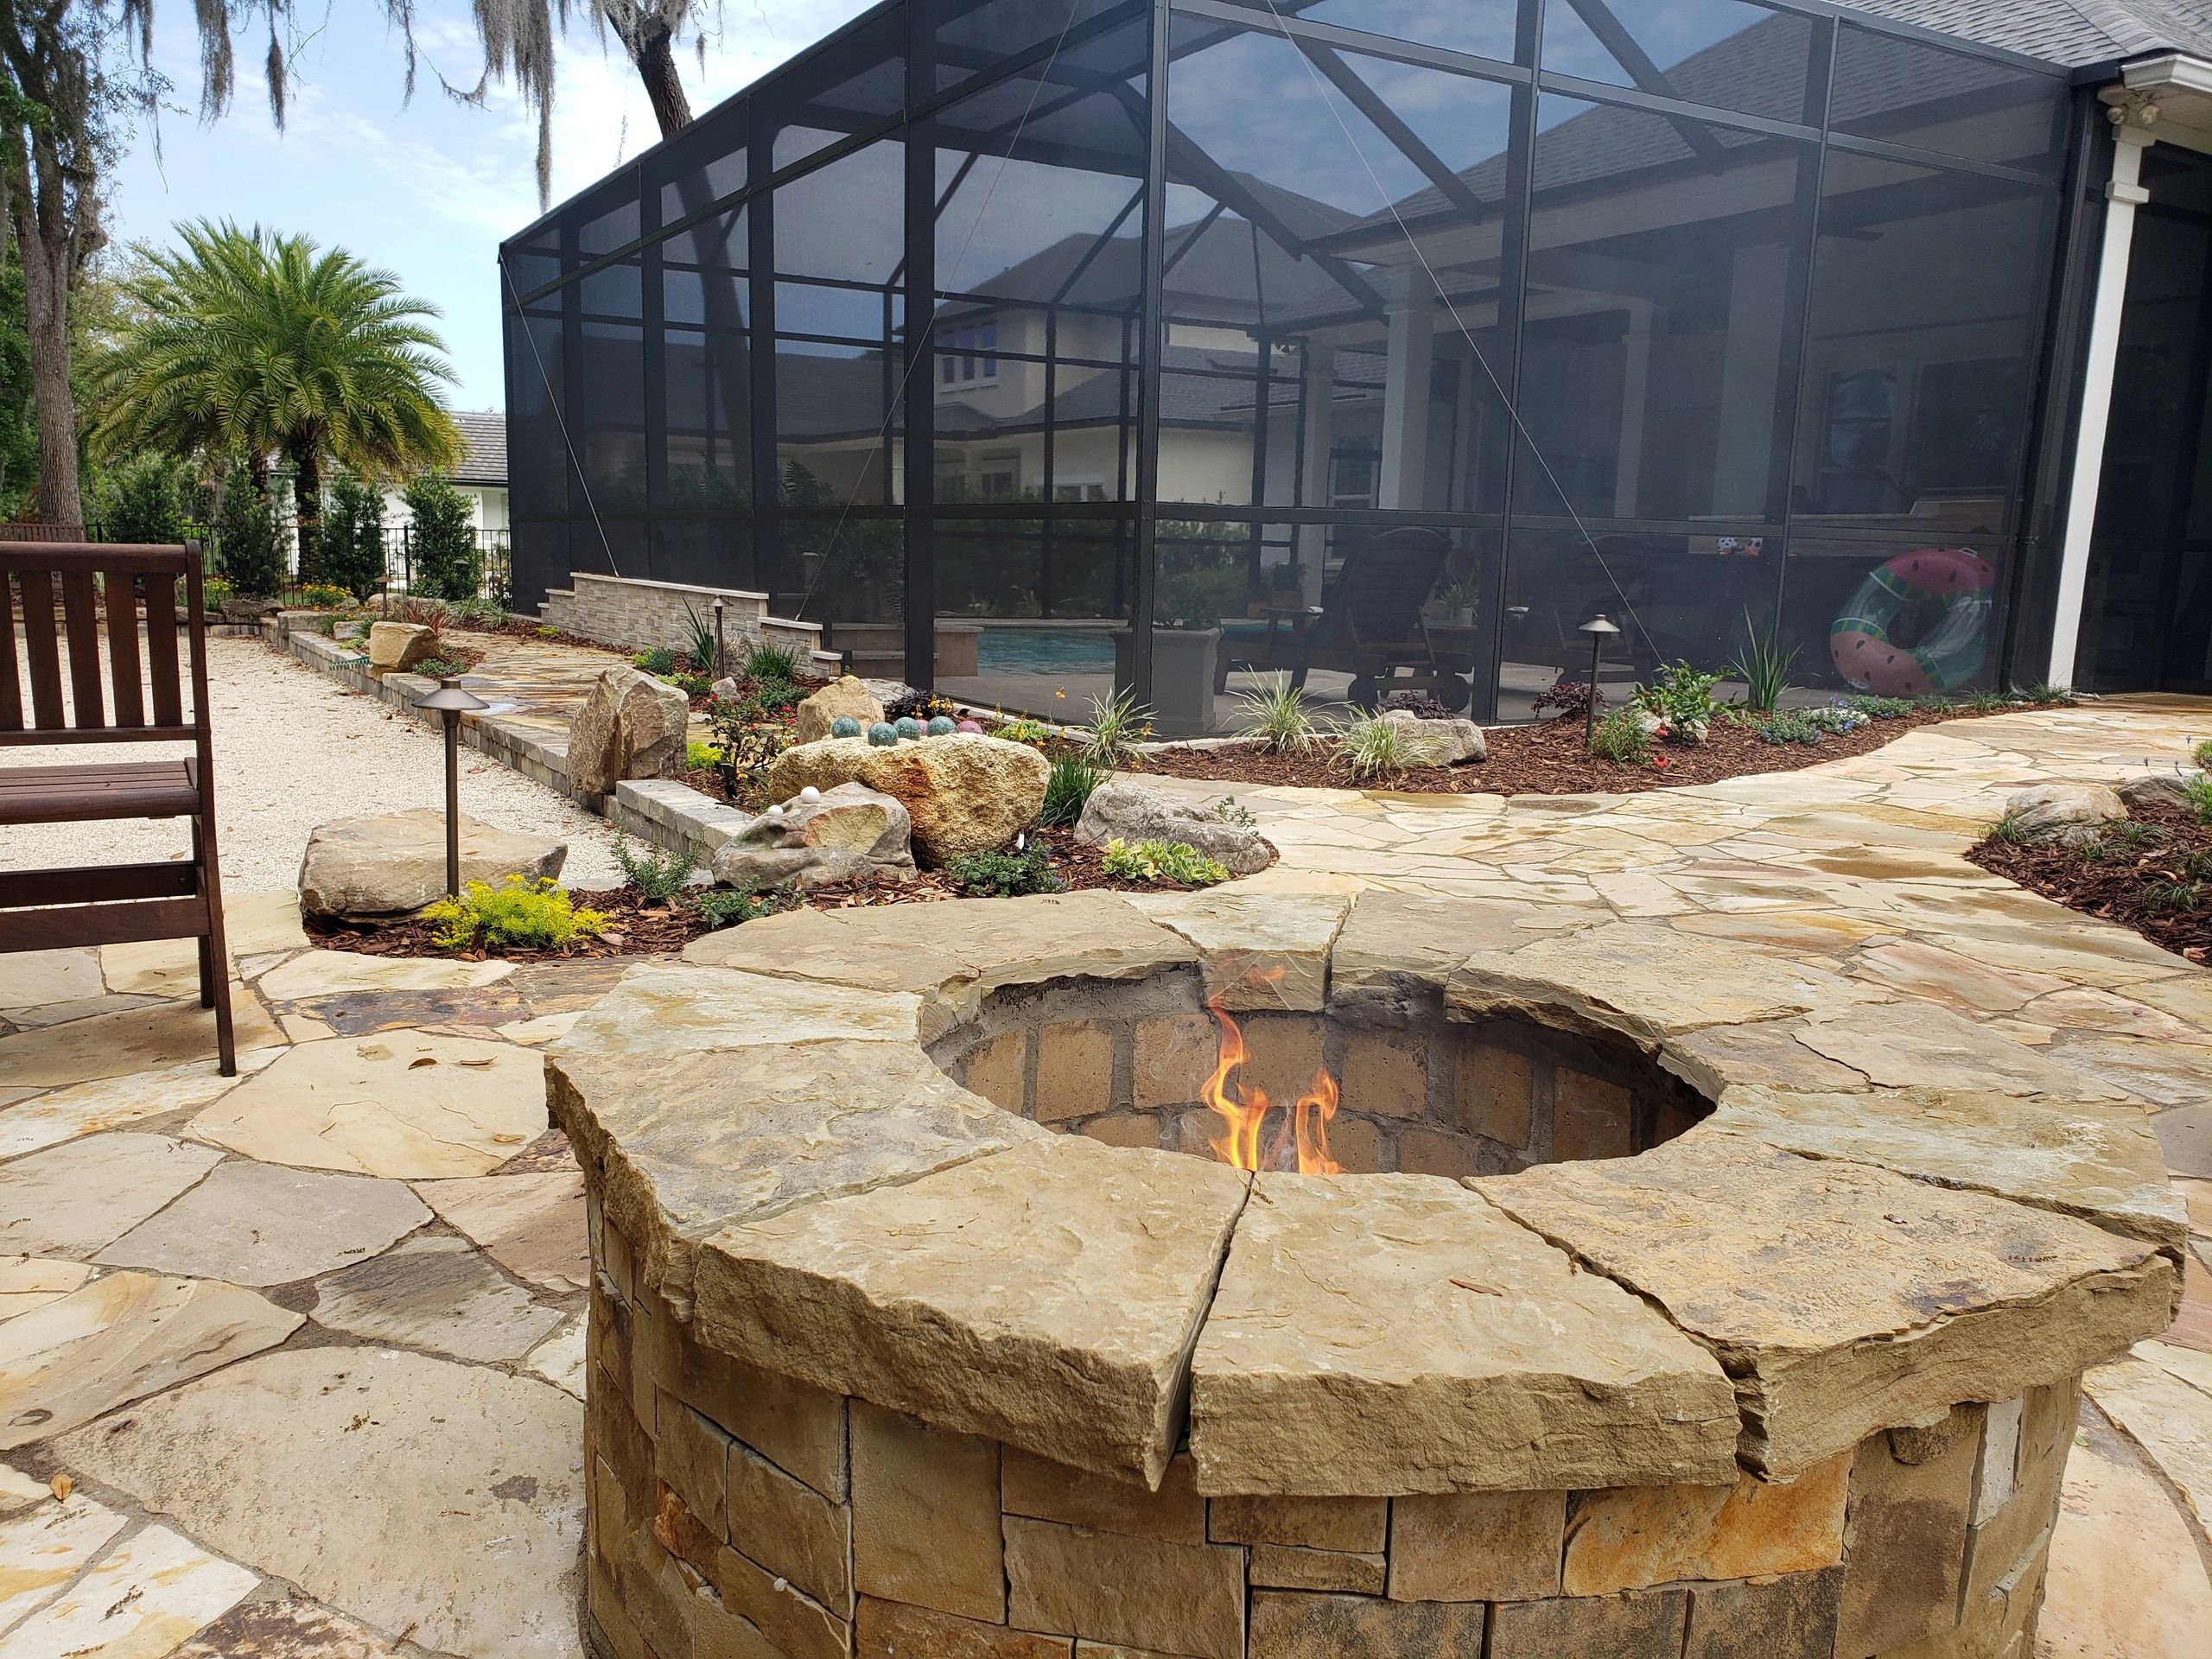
(308, 1343)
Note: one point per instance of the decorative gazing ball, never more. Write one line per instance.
(941, 725)
(967, 726)
(907, 725)
(810, 793)
(775, 811)
(845, 726)
(883, 735)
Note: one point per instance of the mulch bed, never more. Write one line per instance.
(638, 927)
(2117, 883)
(1548, 758)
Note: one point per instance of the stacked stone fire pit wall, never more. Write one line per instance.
(881, 1364)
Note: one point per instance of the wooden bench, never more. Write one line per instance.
(135, 696)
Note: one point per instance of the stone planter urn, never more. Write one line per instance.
(1182, 677)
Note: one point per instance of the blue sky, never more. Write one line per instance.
(426, 189)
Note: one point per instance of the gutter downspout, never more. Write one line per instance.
(2123, 196)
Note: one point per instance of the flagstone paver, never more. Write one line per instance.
(412, 1488)
(435, 1293)
(265, 1224)
(412, 1493)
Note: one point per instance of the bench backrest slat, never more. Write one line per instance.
(104, 703)
(11, 688)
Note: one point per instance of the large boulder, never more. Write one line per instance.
(631, 726)
(396, 647)
(1438, 742)
(389, 864)
(844, 695)
(1122, 809)
(851, 831)
(2066, 813)
(965, 793)
(2169, 788)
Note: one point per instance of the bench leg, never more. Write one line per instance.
(215, 956)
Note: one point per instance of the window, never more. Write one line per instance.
(965, 355)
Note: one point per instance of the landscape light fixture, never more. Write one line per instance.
(721, 656)
(1600, 628)
(452, 703)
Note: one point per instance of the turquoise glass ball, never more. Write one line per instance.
(908, 726)
(883, 735)
(941, 726)
(845, 726)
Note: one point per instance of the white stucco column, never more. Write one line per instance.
(1318, 371)
(1405, 393)
(2123, 196)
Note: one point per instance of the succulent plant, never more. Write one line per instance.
(941, 725)
(907, 726)
(883, 735)
(845, 726)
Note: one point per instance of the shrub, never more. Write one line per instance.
(146, 498)
(246, 537)
(1035, 733)
(1172, 862)
(728, 906)
(657, 661)
(656, 873)
(1620, 738)
(1118, 724)
(768, 662)
(520, 915)
(440, 665)
(1229, 810)
(1788, 727)
(1562, 698)
(924, 706)
(441, 543)
(1837, 717)
(1880, 707)
(321, 596)
(1003, 876)
(1373, 747)
(2203, 753)
(2199, 790)
(1763, 667)
(691, 685)
(700, 757)
(1419, 704)
(349, 544)
(701, 650)
(1068, 789)
(1280, 717)
(1682, 698)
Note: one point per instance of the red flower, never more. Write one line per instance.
(1659, 760)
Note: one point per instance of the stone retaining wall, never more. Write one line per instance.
(733, 1511)
(631, 614)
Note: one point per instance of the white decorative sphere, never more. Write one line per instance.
(810, 793)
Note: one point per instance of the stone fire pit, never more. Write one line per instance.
(1673, 1299)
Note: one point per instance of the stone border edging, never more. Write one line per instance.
(815, 1196)
(663, 810)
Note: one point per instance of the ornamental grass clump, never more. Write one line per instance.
(1175, 861)
(1279, 717)
(1763, 667)
(1118, 724)
(657, 873)
(1374, 748)
(520, 915)
(1068, 790)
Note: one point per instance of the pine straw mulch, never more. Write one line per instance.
(2146, 888)
(638, 926)
(1548, 758)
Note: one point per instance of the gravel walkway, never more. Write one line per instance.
(294, 750)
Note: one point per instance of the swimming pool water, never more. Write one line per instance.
(1045, 651)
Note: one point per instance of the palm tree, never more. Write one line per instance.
(252, 344)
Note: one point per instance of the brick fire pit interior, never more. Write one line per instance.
(1661, 1297)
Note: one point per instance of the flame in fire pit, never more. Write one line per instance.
(1300, 1139)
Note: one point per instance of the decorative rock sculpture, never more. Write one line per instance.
(819, 838)
(1122, 809)
(389, 864)
(967, 793)
(818, 716)
(631, 726)
(396, 647)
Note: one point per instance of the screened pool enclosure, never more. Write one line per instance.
(1173, 344)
